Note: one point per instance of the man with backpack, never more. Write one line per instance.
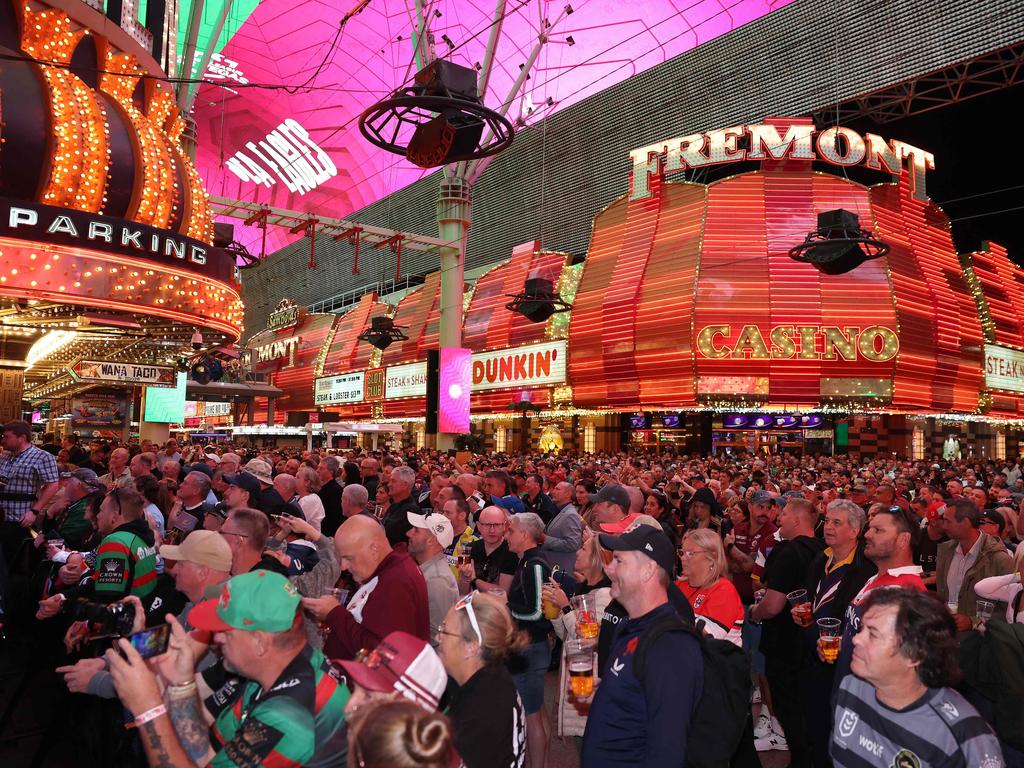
(644, 720)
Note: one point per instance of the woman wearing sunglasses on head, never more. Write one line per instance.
(487, 715)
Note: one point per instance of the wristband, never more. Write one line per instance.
(177, 689)
(150, 714)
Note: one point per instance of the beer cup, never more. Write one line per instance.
(580, 661)
(829, 637)
(798, 600)
(985, 609)
(586, 616)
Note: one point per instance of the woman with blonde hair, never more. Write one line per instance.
(400, 734)
(591, 578)
(706, 585)
(307, 484)
(489, 721)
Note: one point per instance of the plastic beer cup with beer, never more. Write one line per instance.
(580, 661)
(985, 609)
(586, 616)
(551, 610)
(829, 637)
(802, 608)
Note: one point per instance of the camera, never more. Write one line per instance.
(114, 619)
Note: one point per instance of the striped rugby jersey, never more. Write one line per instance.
(940, 730)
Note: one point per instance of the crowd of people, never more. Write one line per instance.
(237, 606)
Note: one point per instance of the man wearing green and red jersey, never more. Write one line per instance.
(126, 557)
(275, 701)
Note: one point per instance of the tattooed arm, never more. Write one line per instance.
(186, 715)
(162, 747)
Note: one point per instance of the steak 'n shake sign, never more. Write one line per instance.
(799, 140)
(1004, 368)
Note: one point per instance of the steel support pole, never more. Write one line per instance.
(454, 214)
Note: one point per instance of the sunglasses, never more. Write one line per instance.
(467, 604)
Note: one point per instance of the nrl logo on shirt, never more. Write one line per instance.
(848, 723)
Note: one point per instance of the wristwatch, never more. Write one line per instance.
(567, 610)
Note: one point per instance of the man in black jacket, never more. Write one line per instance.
(834, 579)
(396, 524)
(537, 501)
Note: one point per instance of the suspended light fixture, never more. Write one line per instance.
(538, 301)
(838, 245)
(444, 114)
(382, 332)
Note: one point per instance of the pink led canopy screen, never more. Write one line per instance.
(303, 150)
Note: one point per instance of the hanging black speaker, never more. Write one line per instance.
(838, 245)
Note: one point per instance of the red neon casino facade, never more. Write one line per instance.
(693, 327)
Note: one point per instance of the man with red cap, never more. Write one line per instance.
(274, 699)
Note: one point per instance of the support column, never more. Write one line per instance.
(270, 411)
(454, 212)
(13, 351)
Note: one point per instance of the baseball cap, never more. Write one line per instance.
(85, 477)
(935, 510)
(213, 457)
(437, 524)
(207, 548)
(622, 525)
(260, 470)
(761, 497)
(613, 494)
(257, 601)
(992, 516)
(512, 503)
(246, 482)
(647, 540)
(404, 664)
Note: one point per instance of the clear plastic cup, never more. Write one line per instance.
(829, 638)
(985, 609)
(580, 663)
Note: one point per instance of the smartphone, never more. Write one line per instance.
(151, 642)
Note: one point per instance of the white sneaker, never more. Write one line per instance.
(770, 742)
(763, 728)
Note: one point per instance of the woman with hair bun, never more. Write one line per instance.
(400, 734)
(475, 638)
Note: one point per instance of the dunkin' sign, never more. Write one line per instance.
(533, 366)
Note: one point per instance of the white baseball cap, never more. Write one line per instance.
(439, 525)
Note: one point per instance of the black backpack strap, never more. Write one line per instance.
(1016, 603)
(668, 624)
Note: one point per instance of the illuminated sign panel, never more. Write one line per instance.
(345, 388)
(533, 366)
(453, 390)
(836, 145)
(110, 372)
(405, 380)
(167, 405)
(1004, 368)
(277, 349)
(786, 342)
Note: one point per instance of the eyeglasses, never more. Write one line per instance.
(687, 553)
(222, 532)
(467, 603)
(442, 631)
(490, 525)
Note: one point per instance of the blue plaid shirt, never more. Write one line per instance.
(25, 473)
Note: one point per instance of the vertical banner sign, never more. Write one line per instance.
(455, 380)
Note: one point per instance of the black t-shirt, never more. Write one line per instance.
(785, 570)
(489, 720)
(926, 551)
(330, 496)
(397, 524)
(489, 567)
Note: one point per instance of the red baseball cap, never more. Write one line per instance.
(404, 664)
(622, 525)
(935, 510)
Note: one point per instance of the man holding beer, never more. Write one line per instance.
(896, 709)
(836, 575)
(633, 723)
